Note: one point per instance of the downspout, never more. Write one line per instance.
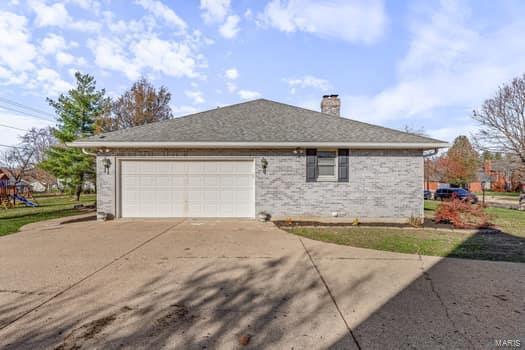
(88, 153)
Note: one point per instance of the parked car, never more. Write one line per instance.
(449, 193)
(427, 194)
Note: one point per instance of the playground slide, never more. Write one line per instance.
(25, 201)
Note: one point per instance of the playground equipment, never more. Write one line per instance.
(25, 201)
(9, 193)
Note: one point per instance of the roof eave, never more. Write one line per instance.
(207, 144)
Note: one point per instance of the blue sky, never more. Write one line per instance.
(417, 63)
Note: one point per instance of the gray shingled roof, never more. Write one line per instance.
(260, 121)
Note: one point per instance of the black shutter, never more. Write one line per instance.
(342, 165)
(311, 165)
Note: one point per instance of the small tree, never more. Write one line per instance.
(461, 163)
(77, 111)
(141, 104)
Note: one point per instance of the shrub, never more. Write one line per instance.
(462, 214)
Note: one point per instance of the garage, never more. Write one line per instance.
(186, 188)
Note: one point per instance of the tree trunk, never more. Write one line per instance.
(78, 192)
(79, 187)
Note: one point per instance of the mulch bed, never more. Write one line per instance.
(427, 224)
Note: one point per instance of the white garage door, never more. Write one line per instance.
(187, 188)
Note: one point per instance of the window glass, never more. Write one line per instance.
(326, 162)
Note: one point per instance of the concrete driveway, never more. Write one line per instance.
(195, 284)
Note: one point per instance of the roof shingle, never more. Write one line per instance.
(260, 121)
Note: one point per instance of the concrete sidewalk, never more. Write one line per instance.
(223, 283)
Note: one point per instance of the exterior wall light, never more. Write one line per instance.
(298, 151)
(264, 164)
(107, 164)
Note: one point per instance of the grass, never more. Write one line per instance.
(50, 207)
(506, 246)
(499, 194)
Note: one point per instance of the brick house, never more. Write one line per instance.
(261, 156)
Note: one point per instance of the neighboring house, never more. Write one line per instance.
(505, 174)
(261, 156)
(495, 175)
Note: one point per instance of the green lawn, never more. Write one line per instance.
(499, 194)
(507, 246)
(50, 207)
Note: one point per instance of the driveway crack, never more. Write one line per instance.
(427, 277)
(330, 294)
(54, 296)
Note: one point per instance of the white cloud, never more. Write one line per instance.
(231, 87)
(214, 11)
(52, 43)
(179, 111)
(56, 15)
(248, 94)
(349, 20)
(231, 73)
(111, 54)
(50, 15)
(92, 5)
(133, 57)
(16, 50)
(308, 81)
(196, 96)
(64, 58)
(451, 64)
(52, 82)
(159, 10)
(230, 27)
(219, 12)
(169, 57)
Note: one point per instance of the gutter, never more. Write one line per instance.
(354, 145)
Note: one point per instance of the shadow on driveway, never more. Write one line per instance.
(151, 300)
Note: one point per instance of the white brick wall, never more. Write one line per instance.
(384, 185)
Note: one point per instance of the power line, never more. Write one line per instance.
(12, 127)
(24, 113)
(20, 105)
(8, 146)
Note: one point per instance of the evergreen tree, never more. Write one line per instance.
(77, 111)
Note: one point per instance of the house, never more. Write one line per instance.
(261, 156)
(494, 175)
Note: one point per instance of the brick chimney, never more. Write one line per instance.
(331, 104)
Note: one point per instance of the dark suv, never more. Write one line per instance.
(449, 193)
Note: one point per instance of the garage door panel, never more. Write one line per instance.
(195, 180)
(187, 188)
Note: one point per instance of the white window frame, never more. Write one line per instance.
(328, 178)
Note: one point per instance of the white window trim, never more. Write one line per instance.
(327, 178)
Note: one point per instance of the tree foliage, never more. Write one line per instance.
(462, 214)
(460, 164)
(141, 104)
(502, 120)
(77, 111)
